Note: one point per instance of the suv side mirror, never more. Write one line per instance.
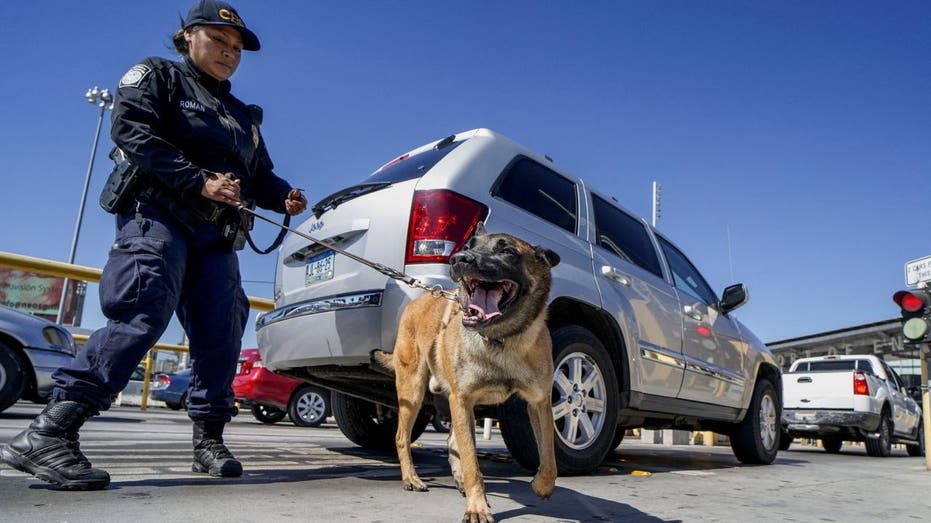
(734, 296)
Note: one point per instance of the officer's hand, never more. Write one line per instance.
(295, 203)
(222, 187)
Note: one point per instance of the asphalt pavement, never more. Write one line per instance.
(316, 474)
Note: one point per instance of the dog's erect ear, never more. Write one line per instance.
(550, 257)
(479, 230)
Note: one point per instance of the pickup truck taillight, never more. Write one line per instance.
(860, 385)
(441, 222)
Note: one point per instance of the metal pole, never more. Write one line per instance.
(77, 226)
(656, 197)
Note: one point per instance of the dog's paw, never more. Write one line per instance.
(478, 516)
(415, 485)
(543, 489)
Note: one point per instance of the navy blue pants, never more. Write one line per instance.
(157, 268)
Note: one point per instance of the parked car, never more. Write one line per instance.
(639, 337)
(271, 396)
(31, 348)
(172, 389)
(851, 398)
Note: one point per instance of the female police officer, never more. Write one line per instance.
(198, 146)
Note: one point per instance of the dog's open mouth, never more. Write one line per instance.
(484, 301)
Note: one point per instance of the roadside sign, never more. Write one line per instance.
(917, 271)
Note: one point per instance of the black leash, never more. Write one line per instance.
(245, 225)
(437, 291)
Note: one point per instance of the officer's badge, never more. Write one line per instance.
(134, 76)
(255, 136)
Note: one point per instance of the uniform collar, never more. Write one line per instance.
(215, 86)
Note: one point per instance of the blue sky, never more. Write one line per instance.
(791, 139)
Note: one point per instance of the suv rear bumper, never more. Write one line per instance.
(828, 421)
(308, 334)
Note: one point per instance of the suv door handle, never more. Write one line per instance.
(613, 274)
(692, 312)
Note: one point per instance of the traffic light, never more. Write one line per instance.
(916, 314)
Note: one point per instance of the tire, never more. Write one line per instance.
(441, 423)
(918, 449)
(309, 406)
(881, 447)
(581, 359)
(12, 377)
(618, 437)
(173, 406)
(832, 445)
(362, 423)
(785, 440)
(268, 414)
(755, 440)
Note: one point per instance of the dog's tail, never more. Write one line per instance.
(383, 361)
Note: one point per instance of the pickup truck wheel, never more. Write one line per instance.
(785, 440)
(584, 407)
(832, 445)
(755, 440)
(881, 447)
(12, 377)
(360, 421)
(918, 449)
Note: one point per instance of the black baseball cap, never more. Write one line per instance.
(208, 12)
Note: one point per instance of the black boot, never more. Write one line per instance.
(49, 448)
(210, 454)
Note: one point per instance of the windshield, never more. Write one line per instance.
(400, 169)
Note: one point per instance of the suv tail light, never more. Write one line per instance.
(441, 222)
(860, 385)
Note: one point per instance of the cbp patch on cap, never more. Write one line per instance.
(134, 76)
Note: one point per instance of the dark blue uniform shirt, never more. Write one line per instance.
(176, 123)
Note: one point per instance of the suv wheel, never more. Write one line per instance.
(309, 406)
(267, 413)
(584, 406)
(369, 426)
(12, 377)
(755, 440)
(881, 447)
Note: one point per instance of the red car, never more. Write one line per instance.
(272, 396)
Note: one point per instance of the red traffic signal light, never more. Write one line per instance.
(916, 314)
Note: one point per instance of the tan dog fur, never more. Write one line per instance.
(479, 365)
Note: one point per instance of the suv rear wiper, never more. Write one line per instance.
(333, 200)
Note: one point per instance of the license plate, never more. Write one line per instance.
(319, 268)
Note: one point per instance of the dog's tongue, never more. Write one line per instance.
(484, 303)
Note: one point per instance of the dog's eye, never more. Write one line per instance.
(510, 250)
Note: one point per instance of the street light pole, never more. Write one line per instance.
(104, 100)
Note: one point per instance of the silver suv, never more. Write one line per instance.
(639, 338)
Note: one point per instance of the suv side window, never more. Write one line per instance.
(624, 235)
(539, 191)
(685, 276)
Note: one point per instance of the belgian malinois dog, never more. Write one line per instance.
(490, 344)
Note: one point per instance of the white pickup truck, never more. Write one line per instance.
(850, 398)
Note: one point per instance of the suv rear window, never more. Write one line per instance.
(624, 235)
(402, 169)
(539, 191)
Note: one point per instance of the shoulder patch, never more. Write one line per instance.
(134, 76)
